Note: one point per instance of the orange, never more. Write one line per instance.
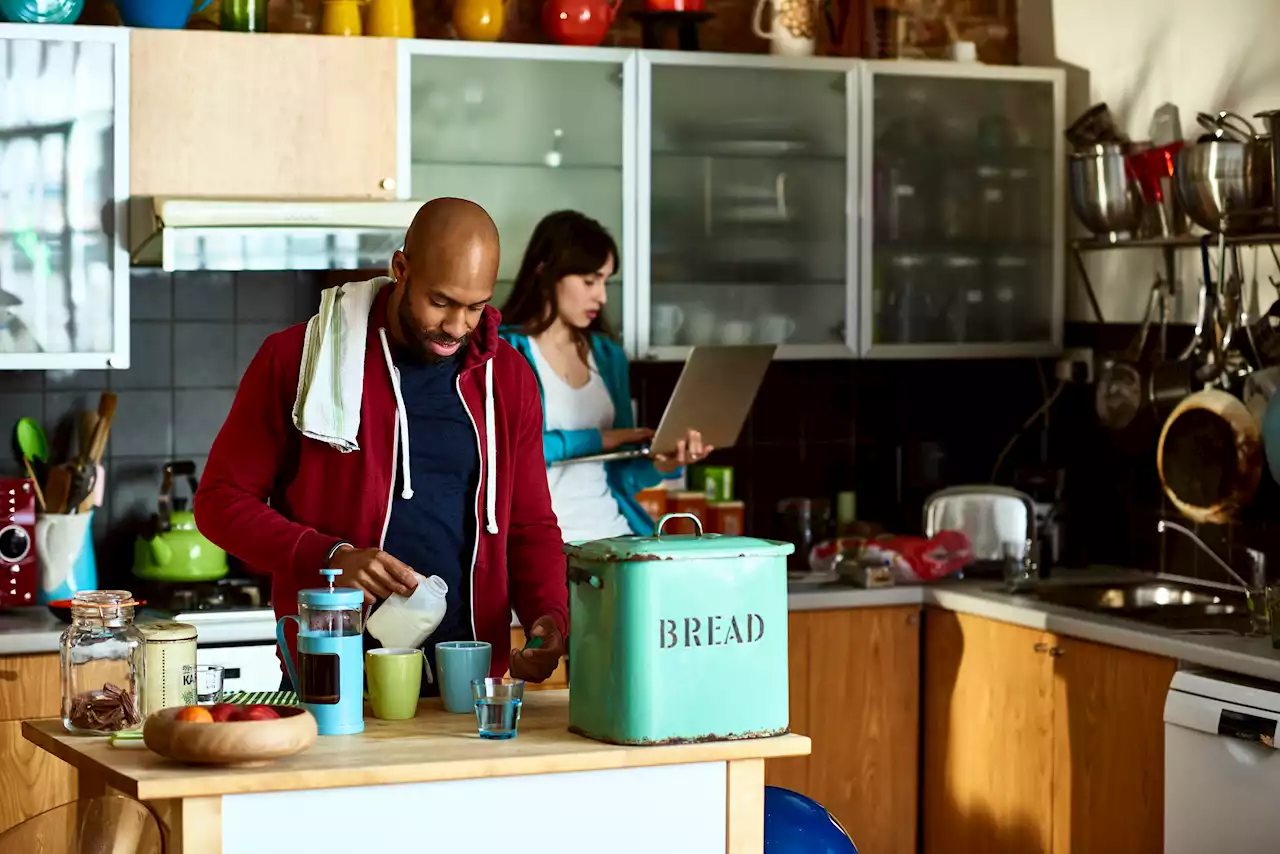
(194, 715)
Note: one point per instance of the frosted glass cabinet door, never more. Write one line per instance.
(63, 184)
(965, 232)
(747, 197)
(522, 130)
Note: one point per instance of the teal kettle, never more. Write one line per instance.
(172, 547)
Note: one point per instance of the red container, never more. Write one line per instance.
(583, 23)
(675, 5)
(686, 502)
(654, 502)
(726, 517)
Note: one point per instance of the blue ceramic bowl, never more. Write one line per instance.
(156, 14)
(41, 11)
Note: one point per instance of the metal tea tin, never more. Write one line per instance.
(170, 653)
(678, 638)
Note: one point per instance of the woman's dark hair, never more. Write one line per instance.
(564, 243)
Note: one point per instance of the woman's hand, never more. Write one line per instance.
(612, 440)
(688, 450)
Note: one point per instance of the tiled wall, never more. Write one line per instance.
(191, 337)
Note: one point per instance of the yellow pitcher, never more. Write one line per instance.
(341, 18)
(479, 20)
(391, 18)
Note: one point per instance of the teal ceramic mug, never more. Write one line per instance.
(458, 663)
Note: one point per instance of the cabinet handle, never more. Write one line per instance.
(1042, 647)
(1056, 651)
(387, 183)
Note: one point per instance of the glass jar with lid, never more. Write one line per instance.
(102, 664)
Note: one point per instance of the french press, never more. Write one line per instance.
(329, 673)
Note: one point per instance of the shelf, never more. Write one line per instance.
(768, 157)
(740, 284)
(1184, 241)
(565, 166)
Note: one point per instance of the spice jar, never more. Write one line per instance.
(102, 664)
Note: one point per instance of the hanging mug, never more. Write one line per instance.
(794, 26)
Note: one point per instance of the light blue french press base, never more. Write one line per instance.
(346, 717)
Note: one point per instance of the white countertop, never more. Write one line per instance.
(1247, 656)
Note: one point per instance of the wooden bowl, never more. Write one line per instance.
(243, 743)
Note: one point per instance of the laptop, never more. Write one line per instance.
(713, 396)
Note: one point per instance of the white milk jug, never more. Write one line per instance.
(405, 622)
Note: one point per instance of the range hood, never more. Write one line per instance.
(264, 234)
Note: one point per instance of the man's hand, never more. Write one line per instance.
(374, 571)
(535, 665)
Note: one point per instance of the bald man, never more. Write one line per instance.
(449, 479)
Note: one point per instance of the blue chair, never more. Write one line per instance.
(794, 824)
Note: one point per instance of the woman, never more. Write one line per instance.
(555, 318)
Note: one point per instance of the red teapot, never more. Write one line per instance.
(582, 23)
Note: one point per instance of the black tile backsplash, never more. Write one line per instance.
(191, 337)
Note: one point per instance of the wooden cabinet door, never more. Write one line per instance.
(855, 680)
(269, 116)
(34, 781)
(1108, 749)
(988, 737)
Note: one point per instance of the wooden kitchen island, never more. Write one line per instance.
(431, 784)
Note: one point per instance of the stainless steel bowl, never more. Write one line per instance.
(1217, 178)
(1104, 195)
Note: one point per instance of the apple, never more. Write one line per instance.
(256, 713)
(224, 711)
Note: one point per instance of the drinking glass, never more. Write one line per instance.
(209, 683)
(498, 704)
(1017, 567)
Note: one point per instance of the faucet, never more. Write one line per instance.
(1255, 592)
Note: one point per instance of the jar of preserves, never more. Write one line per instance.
(103, 664)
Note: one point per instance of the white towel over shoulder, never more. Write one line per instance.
(331, 378)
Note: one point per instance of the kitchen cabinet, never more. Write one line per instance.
(745, 204)
(64, 178)
(855, 687)
(1039, 743)
(216, 114)
(962, 229)
(34, 780)
(559, 679)
(523, 130)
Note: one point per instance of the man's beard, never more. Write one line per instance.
(418, 344)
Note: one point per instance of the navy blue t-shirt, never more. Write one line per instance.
(434, 532)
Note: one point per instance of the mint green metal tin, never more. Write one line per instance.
(678, 638)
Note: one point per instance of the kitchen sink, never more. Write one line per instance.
(1171, 605)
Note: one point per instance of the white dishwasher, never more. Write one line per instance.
(1221, 766)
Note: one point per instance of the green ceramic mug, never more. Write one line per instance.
(395, 681)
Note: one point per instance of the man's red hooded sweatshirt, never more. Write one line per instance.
(280, 501)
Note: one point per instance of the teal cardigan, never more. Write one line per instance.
(626, 477)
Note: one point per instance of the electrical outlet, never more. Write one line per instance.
(1075, 365)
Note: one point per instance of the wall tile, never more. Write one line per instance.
(63, 380)
(198, 416)
(204, 355)
(267, 296)
(61, 419)
(143, 425)
(13, 382)
(150, 295)
(203, 296)
(13, 406)
(134, 485)
(151, 357)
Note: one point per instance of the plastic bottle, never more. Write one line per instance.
(405, 622)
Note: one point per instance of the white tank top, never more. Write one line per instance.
(580, 494)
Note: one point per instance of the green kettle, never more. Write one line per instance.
(172, 548)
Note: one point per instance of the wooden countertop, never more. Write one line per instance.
(433, 746)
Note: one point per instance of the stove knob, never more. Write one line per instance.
(15, 544)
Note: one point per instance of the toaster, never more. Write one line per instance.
(19, 572)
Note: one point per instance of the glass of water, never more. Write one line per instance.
(209, 683)
(1016, 564)
(498, 704)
